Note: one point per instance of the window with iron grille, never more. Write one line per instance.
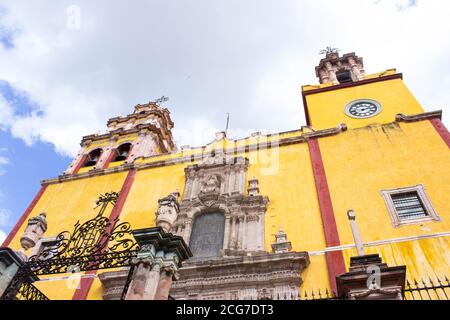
(409, 205)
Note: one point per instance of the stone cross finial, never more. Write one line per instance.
(281, 244)
(329, 50)
(356, 236)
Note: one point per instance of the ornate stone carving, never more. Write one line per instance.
(211, 184)
(33, 233)
(218, 185)
(168, 211)
(281, 244)
(371, 279)
(156, 264)
(330, 66)
(253, 187)
(261, 276)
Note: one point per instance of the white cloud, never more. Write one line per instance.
(4, 217)
(4, 161)
(247, 58)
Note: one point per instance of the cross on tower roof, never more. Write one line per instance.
(329, 50)
(161, 100)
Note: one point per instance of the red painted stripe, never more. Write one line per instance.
(82, 291)
(335, 259)
(24, 216)
(80, 164)
(110, 158)
(442, 130)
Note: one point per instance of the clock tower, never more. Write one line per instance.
(347, 95)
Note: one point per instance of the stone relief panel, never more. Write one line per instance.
(218, 185)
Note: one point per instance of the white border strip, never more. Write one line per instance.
(70, 277)
(380, 242)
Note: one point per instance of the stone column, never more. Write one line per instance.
(187, 230)
(244, 233)
(157, 264)
(145, 281)
(232, 233)
(104, 157)
(165, 283)
(331, 73)
(226, 236)
(260, 221)
(241, 233)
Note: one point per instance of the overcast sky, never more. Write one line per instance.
(60, 80)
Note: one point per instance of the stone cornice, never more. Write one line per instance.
(120, 132)
(134, 116)
(232, 151)
(418, 117)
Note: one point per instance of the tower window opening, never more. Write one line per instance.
(123, 152)
(409, 205)
(93, 157)
(344, 76)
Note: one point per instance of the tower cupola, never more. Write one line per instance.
(335, 69)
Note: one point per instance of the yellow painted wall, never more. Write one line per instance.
(326, 109)
(360, 163)
(285, 175)
(65, 204)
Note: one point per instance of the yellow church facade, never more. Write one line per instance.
(273, 201)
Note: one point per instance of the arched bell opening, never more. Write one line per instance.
(93, 157)
(122, 152)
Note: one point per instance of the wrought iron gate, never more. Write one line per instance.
(98, 243)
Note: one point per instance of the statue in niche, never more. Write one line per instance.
(211, 185)
(168, 211)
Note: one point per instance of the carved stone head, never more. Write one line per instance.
(34, 231)
(211, 184)
(168, 211)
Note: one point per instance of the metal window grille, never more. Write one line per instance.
(408, 205)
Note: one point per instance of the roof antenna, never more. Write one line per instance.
(228, 122)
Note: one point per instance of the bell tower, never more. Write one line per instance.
(346, 94)
(337, 70)
(144, 133)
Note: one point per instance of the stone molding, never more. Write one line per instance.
(260, 146)
(199, 157)
(262, 276)
(418, 117)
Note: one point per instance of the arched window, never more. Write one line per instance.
(122, 152)
(92, 157)
(207, 235)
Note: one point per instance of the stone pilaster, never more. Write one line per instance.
(157, 264)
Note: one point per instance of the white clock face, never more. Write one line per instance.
(363, 108)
